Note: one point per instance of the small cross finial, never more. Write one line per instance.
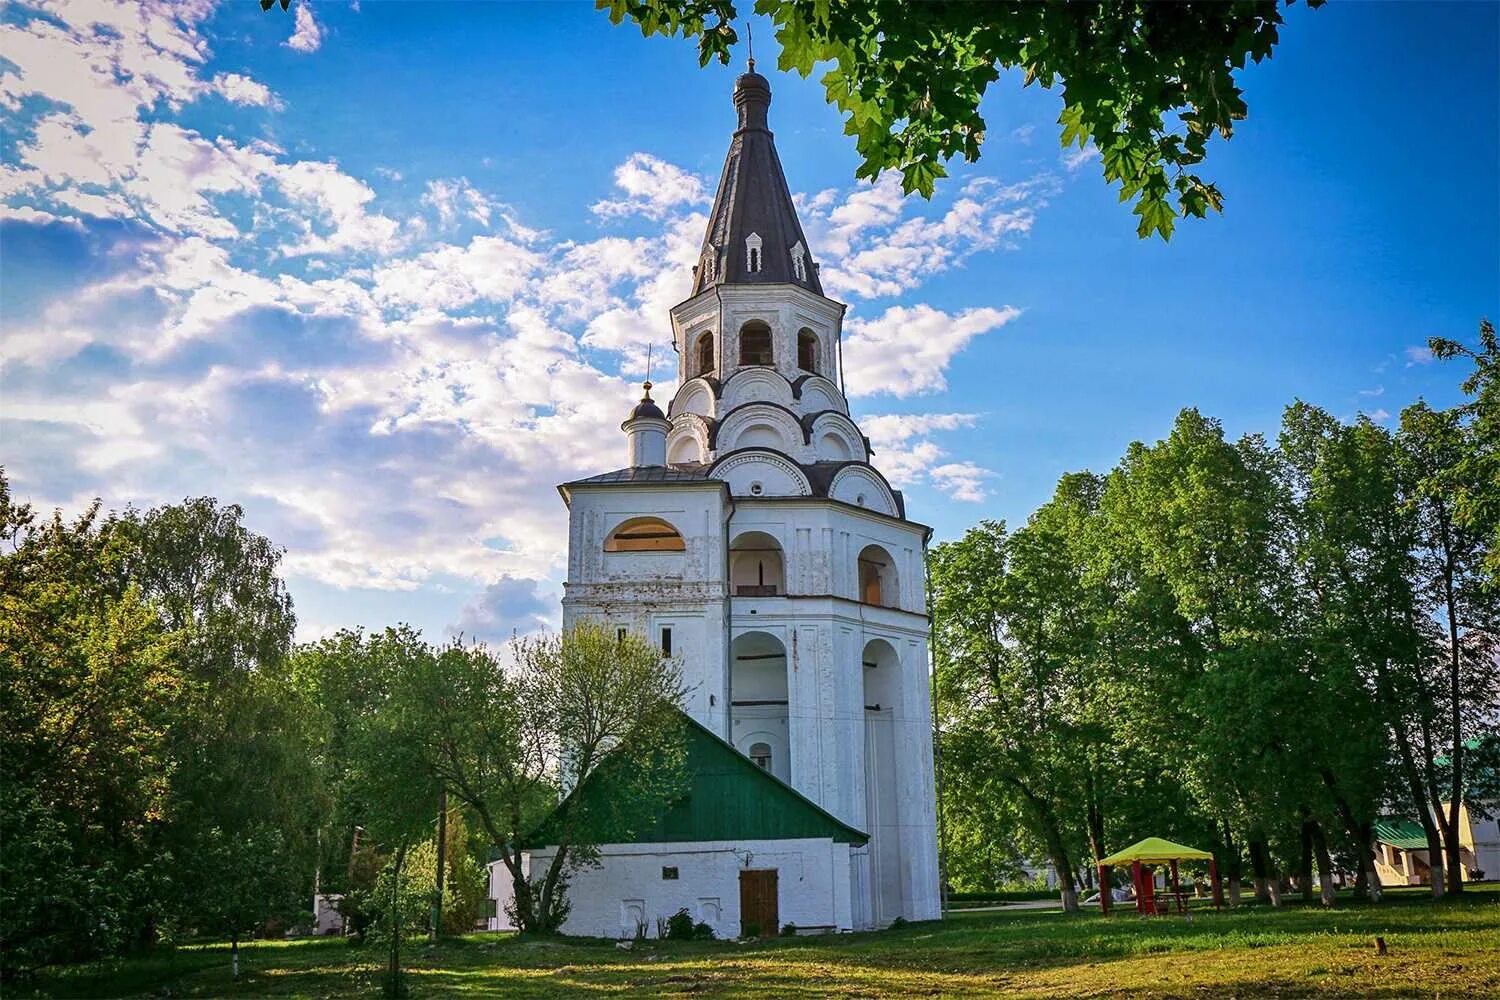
(750, 41)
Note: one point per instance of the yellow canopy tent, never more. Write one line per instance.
(1154, 851)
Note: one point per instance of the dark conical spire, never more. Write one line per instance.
(753, 235)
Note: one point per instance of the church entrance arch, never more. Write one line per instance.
(758, 703)
(756, 568)
(881, 666)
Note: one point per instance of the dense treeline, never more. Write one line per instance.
(174, 767)
(152, 778)
(1255, 647)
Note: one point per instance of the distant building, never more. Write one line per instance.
(753, 540)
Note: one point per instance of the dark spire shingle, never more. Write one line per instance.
(753, 201)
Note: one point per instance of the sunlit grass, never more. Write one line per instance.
(1446, 950)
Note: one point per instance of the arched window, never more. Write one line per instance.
(807, 350)
(755, 344)
(799, 261)
(644, 534)
(877, 578)
(760, 753)
(705, 354)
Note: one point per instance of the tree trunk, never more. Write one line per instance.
(1233, 863)
(1367, 881)
(234, 954)
(1424, 813)
(1325, 864)
(1057, 851)
(1261, 870)
(1305, 872)
(1453, 861)
(442, 856)
(1095, 818)
(393, 984)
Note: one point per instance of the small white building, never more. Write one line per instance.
(751, 536)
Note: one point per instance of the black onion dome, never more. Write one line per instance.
(647, 407)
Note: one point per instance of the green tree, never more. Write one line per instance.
(242, 804)
(504, 742)
(89, 683)
(1007, 679)
(1477, 473)
(1209, 519)
(1148, 84)
(1354, 567)
(1436, 451)
(147, 739)
(380, 768)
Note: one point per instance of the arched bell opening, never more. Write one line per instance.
(704, 351)
(878, 584)
(807, 350)
(756, 566)
(644, 534)
(755, 344)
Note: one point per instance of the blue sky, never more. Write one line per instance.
(385, 275)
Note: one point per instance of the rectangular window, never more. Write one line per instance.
(669, 873)
(666, 641)
(620, 634)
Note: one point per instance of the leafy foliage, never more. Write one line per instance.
(1147, 84)
(1250, 647)
(153, 780)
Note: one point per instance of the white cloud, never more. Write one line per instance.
(961, 481)
(457, 198)
(907, 350)
(490, 268)
(906, 454)
(869, 248)
(338, 201)
(1419, 354)
(652, 188)
(26, 213)
(1074, 160)
(239, 89)
(307, 35)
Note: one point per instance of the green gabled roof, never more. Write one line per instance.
(727, 797)
(1405, 834)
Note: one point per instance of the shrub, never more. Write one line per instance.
(703, 932)
(788, 929)
(680, 926)
(898, 923)
(752, 929)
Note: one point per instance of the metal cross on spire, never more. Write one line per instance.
(750, 42)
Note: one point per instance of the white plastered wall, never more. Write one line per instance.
(627, 885)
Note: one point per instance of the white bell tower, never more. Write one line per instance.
(751, 536)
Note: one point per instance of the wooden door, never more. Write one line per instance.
(758, 902)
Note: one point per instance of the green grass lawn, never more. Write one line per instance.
(1448, 950)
